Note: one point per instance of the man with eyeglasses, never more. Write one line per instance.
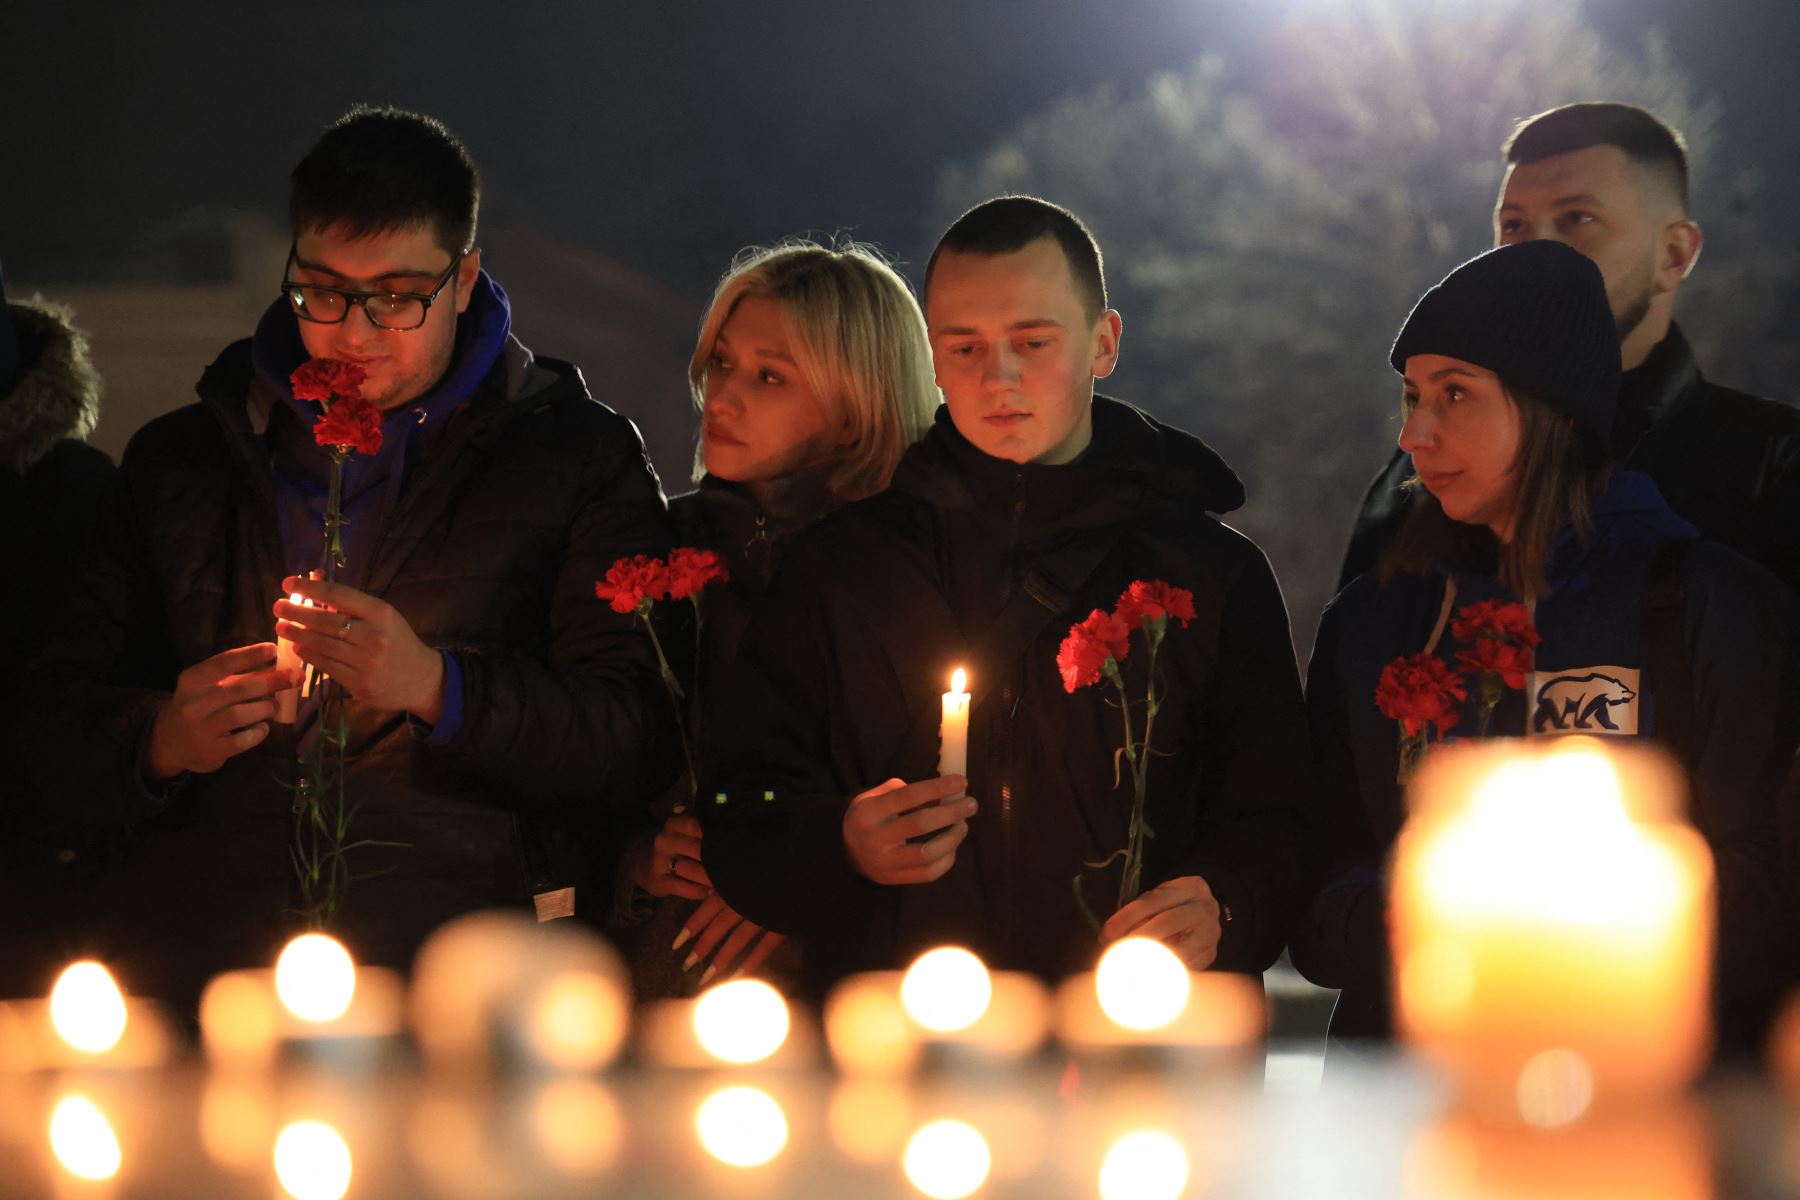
(499, 713)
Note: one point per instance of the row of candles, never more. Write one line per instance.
(571, 1021)
(1551, 920)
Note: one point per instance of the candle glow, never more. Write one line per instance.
(948, 1160)
(741, 1126)
(87, 1009)
(743, 1021)
(1146, 1165)
(1552, 925)
(312, 1162)
(83, 1139)
(315, 978)
(946, 989)
(1141, 983)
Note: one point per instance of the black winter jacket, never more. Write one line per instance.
(1726, 461)
(838, 682)
(51, 486)
(527, 494)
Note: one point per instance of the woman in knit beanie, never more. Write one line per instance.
(1604, 615)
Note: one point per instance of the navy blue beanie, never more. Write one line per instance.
(9, 344)
(1536, 315)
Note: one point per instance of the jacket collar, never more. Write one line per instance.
(1650, 390)
(1134, 464)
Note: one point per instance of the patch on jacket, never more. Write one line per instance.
(1597, 700)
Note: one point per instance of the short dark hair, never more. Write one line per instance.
(1008, 223)
(1646, 140)
(378, 170)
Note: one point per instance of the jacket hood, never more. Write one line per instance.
(1134, 464)
(1631, 503)
(57, 393)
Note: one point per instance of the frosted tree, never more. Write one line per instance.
(1269, 215)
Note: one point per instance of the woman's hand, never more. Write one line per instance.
(673, 868)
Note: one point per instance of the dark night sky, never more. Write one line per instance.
(665, 133)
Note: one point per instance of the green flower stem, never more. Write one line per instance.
(676, 697)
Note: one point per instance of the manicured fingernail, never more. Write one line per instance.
(681, 939)
(691, 960)
(706, 977)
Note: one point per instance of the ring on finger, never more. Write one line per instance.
(343, 630)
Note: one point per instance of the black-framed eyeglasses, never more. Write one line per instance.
(386, 310)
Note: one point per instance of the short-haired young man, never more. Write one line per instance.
(1611, 180)
(497, 708)
(1029, 504)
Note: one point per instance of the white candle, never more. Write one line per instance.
(953, 733)
(287, 701)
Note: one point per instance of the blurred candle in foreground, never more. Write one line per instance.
(1551, 923)
(946, 989)
(1141, 984)
(741, 1126)
(87, 1009)
(743, 1021)
(83, 1139)
(312, 1162)
(953, 732)
(948, 1160)
(315, 978)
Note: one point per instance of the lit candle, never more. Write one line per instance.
(87, 1021)
(953, 732)
(1552, 922)
(287, 701)
(315, 993)
(1141, 995)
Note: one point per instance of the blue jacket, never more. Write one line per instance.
(1742, 631)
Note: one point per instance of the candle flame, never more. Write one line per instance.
(959, 681)
(743, 1021)
(946, 989)
(86, 1008)
(315, 978)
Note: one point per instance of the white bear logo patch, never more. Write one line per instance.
(1595, 700)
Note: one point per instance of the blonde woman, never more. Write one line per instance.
(812, 375)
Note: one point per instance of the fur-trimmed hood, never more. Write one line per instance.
(57, 394)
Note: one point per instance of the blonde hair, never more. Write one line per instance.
(858, 339)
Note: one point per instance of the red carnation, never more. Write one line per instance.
(631, 581)
(1495, 620)
(1090, 645)
(326, 380)
(1493, 656)
(691, 570)
(1152, 599)
(351, 422)
(1420, 688)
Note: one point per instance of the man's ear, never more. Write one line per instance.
(466, 271)
(1106, 343)
(1677, 254)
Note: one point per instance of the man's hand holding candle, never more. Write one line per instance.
(881, 823)
(222, 707)
(365, 644)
